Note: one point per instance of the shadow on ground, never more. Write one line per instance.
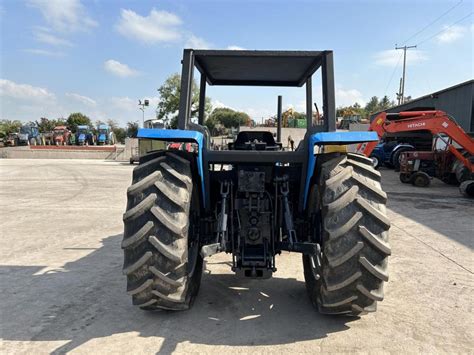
(439, 207)
(86, 300)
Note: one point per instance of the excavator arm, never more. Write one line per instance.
(436, 122)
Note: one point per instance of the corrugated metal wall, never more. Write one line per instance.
(457, 101)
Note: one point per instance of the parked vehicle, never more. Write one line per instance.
(84, 135)
(451, 157)
(184, 206)
(30, 135)
(11, 140)
(61, 135)
(388, 154)
(419, 168)
(105, 135)
(48, 138)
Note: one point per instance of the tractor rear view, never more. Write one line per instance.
(255, 200)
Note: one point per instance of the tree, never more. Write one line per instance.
(132, 129)
(119, 132)
(77, 119)
(210, 123)
(168, 107)
(229, 118)
(385, 104)
(112, 124)
(354, 110)
(373, 105)
(9, 126)
(46, 125)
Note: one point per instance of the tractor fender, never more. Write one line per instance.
(399, 146)
(331, 138)
(185, 136)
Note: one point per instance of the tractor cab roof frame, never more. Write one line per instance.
(258, 68)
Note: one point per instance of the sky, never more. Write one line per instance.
(100, 57)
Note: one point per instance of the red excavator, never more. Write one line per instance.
(452, 162)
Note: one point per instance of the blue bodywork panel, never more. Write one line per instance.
(102, 138)
(179, 135)
(327, 138)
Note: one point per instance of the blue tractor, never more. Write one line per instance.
(84, 135)
(388, 154)
(256, 200)
(105, 135)
(30, 135)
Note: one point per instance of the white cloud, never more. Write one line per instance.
(44, 52)
(257, 113)
(64, 15)
(158, 26)
(348, 97)
(83, 99)
(24, 92)
(119, 69)
(124, 103)
(218, 104)
(44, 36)
(451, 34)
(197, 43)
(391, 57)
(235, 48)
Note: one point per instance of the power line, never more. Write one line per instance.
(445, 29)
(435, 20)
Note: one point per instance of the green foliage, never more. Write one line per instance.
(119, 132)
(374, 105)
(174, 122)
(210, 123)
(229, 118)
(112, 124)
(385, 103)
(77, 119)
(9, 126)
(46, 125)
(132, 129)
(168, 107)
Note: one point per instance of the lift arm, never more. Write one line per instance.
(436, 122)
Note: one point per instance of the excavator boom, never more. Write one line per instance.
(437, 122)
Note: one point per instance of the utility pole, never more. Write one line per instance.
(142, 105)
(401, 94)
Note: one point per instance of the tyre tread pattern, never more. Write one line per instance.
(355, 245)
(155, 240)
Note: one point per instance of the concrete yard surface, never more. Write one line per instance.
(62, 288)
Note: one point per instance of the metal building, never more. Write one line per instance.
(457, 101)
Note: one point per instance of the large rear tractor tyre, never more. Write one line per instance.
(161, 244)
(348, 274)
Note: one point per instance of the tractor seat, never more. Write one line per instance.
(254, 140)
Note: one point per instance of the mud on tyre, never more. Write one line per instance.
(348, 275)
(160, 244)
